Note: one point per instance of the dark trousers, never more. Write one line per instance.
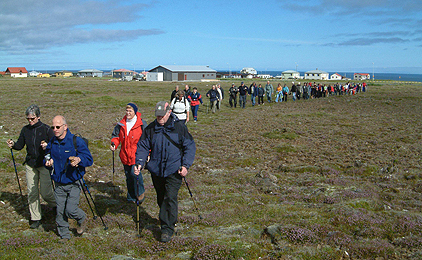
(242, 101)
(167, 189)
(218, 104)
(231, 100)
(195, 112)
(260, 100)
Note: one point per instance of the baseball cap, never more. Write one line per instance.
(161, 109)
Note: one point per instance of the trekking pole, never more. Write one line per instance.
(112, 144)
(89, 203)
(194, 203)
(93, 202)
(52, 181)
(137, 206)
(16, 172)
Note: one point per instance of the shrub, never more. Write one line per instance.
(213, 251)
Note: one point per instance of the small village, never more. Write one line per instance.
(180, 73)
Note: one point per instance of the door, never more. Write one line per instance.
(180, 76)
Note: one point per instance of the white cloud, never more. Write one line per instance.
(43, 24)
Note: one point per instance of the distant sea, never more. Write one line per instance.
(378, 76)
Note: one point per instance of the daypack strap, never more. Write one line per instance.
(179, 146)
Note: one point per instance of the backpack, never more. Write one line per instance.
(74, 141)
(184, 102)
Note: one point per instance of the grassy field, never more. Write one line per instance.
(329, 178)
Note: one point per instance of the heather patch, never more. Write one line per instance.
(326, 178)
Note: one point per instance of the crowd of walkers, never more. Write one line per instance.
(56, 161)
(258, 94)
(297, 91)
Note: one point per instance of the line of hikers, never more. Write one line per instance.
(297, 91)
(184, 100)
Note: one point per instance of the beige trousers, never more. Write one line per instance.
(38, 182)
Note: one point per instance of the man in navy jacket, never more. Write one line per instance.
(171, 149)
(69, 167)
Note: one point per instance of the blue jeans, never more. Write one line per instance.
(279, 97)
(242, 101)
(269, 98)
(253, 100)
(294, 96)
(195, 112)
(135, 188)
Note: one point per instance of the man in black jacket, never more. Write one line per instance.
(214, 97)
(35, 136)
(173, 94)
(243, 92)
(171, 149)
(233, 95)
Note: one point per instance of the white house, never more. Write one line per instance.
(290, 74)
(17, 72)
(361, 76)
(264, 76)
(248, 71)
(34, 73)
(336, 76)
(316, 75)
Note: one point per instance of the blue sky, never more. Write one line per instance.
(331, 35)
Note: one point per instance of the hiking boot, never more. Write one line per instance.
(165, 237)
(35, 224)
(81, 227)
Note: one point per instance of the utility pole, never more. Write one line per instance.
(373, 72)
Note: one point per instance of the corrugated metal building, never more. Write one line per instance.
(185, 73)
(90, 73)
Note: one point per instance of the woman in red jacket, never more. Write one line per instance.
(127, 133)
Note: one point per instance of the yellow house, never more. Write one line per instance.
(64, 73)
(43, 75)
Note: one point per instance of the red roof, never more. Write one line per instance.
(122, 70)
(363, 74)
(16, 70)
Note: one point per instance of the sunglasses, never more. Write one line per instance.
(30, 118)
(57, 126)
